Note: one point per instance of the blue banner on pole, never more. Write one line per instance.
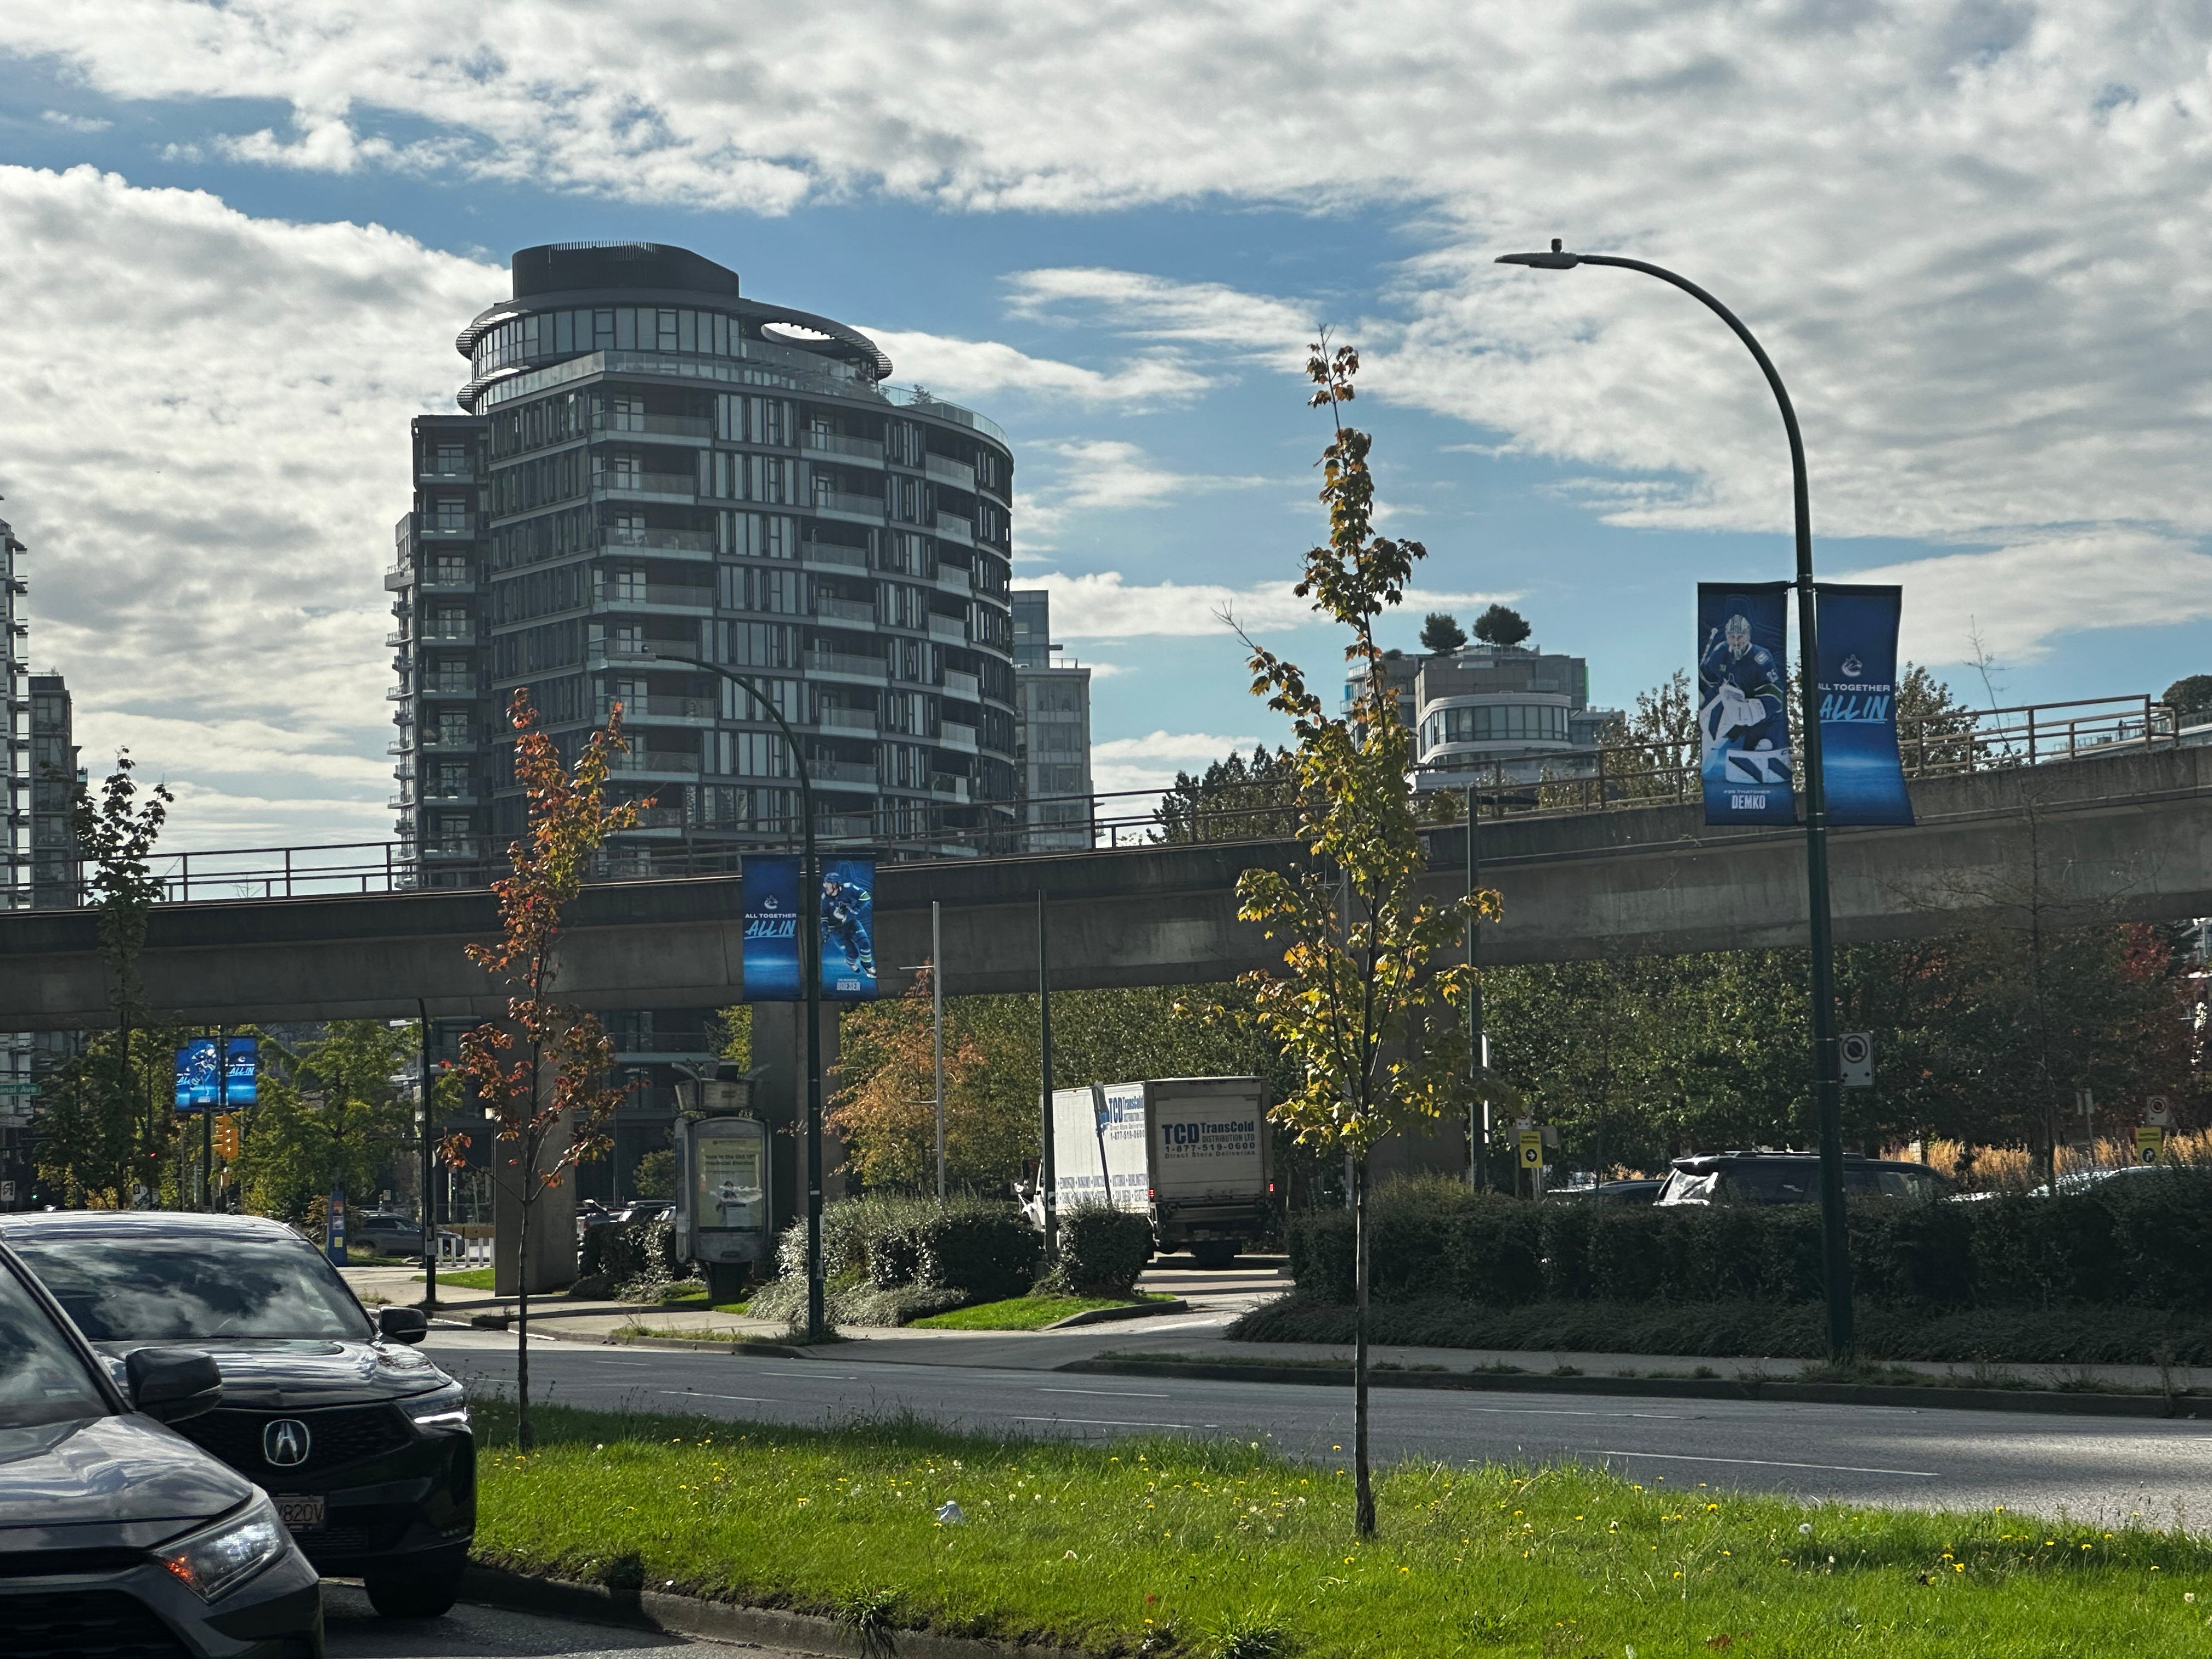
(242, 1083)
(849, 929)
(195, 1091)
(771, 901)
(1859, 761)
(1743, 693)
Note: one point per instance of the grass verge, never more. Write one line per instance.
(1998, 1336)
(1168, 1547)
(1029, 1313)
(466, 1279)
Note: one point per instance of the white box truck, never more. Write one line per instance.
(1189, 1153)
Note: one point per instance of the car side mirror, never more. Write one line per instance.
(171, 1384)
(402, 1324)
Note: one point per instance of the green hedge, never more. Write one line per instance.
(1102, 1250)
(2141, 1240)
(878, 1254)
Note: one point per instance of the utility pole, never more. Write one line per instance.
(1478, 1062)
(1048, 1173)
(430, 1137)
(937, 1030)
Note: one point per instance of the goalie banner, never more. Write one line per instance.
(1859, 761)
(1743, 701)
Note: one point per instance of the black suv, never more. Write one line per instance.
(1776, 1177)
(117, 1536)
(364, 1444)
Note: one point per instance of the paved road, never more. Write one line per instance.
(466, 1632)
(2089, 1467)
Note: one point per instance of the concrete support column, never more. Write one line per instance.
(779, 1095)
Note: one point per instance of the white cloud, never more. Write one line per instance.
(978, 367)
(1102, 605)
(205, 454)
(1156, 308)
(2019, 599)
(1150, 763)
(69, 123)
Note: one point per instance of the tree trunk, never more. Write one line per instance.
(523, 1438)
(1363, 1486)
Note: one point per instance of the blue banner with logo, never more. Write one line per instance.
(199, 1089)
(849, 929)
(1859, 761)
(1743, 695)
(195, 1075)
(771, 902)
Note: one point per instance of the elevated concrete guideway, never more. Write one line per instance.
(2126, 836)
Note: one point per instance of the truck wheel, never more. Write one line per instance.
(1214, 1254)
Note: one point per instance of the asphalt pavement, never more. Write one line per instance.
(473, 1632)
(2086, 1468)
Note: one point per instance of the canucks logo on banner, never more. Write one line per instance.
(1859, 761)
(1743, 693)
(845, 909)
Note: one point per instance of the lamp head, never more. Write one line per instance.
(1557, 260)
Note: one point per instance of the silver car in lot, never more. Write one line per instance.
(118, 1535)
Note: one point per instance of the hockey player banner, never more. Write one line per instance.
(1743, 719)
(772, 912)
(1859, 704)
(849, 929)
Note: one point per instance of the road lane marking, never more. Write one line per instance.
(1771, 1463)
(1108, 1422)
(1114, 1394)
(749, 1398)
(1549, 1411)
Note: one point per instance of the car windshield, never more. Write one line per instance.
(42, 1379)
(144, 1287)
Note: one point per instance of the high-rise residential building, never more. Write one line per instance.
(1052, 713)
(652, 468)
(1512, 713)
(15, 683)
(56, 878)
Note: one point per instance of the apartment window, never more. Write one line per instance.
(449, 568)
(451, 623)
(452, 779)
(452, 513)
(627, 530)
(452, 674)
(626, 415)
(451, 458)
(625, 585)
(452, 731)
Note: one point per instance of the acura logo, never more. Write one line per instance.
(284, 1442)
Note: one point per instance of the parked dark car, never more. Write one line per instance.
(364, 1444)
(1766, 1177)
(1638, 1191)
(118, 1535)
(386, 1233)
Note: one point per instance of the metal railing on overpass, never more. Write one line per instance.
(1614, 776)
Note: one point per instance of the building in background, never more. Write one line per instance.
(1052, 714)
(650, 467)
(15, 683)
(57, 877)
(1508, 714)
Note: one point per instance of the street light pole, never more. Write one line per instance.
(1827, 1082)
(809, 967)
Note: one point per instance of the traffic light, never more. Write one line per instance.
(226, 1135)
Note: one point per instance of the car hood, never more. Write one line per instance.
(93, 1473)
(294, 1375)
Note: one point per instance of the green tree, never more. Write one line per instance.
(541, 1073)
(2190, 698)
(655, 1173)
(1233, 799)
(329, 1116)
(1501, 625)
(1440, 632)
(1362, 1007)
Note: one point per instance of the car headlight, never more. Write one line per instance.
(441, 1408)
(218, 1558)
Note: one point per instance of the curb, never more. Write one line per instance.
(698, 1345)
(726, 1621)
(1108, 1316)
(2045, 1401)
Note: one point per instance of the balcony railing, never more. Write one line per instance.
(849, 720)
(858, 611)
(952, 528)
(463, 629)
(673, 426)
(684, 541)
(654, 706)
(833, 443)
(833, 553)
(962, 687)
(845, 501)
(647, 484)
(946, 470)
(614, 596)
(834, 771)
(952, 734)
(953, 630)
(846, 663)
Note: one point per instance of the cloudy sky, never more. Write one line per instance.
(237, 238)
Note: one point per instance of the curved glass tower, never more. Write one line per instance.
(651, 467)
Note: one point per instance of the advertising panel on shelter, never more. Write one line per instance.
(848, 928)
(1743, 718)
(1859, 761)
(771, 901)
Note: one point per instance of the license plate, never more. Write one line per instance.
(301, 1514)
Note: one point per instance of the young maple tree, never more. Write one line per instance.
(1366, 1007)
(541, 1074)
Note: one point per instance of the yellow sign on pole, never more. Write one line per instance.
(1532, 1149)
(2150, 1140)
